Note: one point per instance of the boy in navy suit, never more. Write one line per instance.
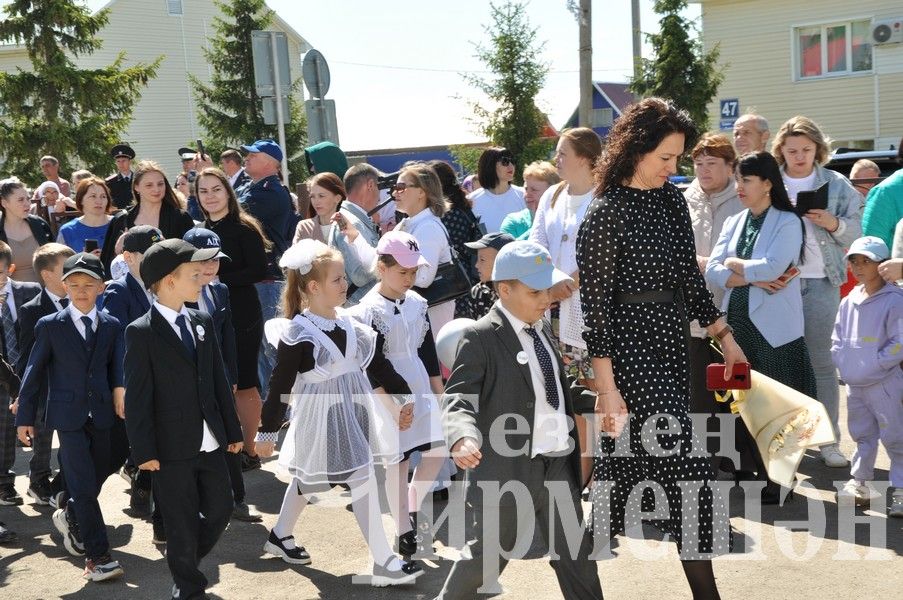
(126, 298)
(48, 264)
(13, 294)
(180, 412)
(78, 351)
(214, 300)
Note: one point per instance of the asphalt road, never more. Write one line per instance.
(804, 550)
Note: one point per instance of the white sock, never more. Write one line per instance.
(292, 504)
(397, 496)
(431, 463)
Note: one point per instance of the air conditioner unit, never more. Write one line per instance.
(887, 31)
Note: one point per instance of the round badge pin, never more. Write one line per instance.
(522, 357)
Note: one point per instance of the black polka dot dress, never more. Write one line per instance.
(635, 241)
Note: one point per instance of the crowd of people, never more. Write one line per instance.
(593, 292)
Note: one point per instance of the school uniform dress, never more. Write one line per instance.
(45, 303)
(80, 358)
(403, 335)
(337, 428)
(15, 294)
(635, 242)
(180, 411)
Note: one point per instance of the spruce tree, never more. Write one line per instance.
(680, 69)
(513, 56)
(230, 111)
(56, 108)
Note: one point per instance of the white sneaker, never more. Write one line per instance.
(831, 456)
(860, 492)
(896, 507)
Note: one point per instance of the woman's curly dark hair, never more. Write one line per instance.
(639, 131)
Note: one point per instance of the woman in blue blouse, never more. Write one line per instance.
(92, 197)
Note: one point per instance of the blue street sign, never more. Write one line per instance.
(729, 112)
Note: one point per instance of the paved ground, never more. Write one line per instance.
(779, 555)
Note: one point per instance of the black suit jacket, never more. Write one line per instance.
(40, 229)
(29, 313)
(23, 292)
(169, 396)
(120, 190)
(222, 325)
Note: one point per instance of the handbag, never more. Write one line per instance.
(451, 281)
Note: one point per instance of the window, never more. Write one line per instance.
(835, 49)
(174, 7)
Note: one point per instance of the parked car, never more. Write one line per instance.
(843, 160)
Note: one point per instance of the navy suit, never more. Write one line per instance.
(29, 314)
(125, 299)
(170, 394)
(80, 380)
(22, 292)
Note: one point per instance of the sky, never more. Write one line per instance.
(396, 65)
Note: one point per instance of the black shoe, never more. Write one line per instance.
(772, 494)
(295, 556)
(243, 512)
(7, 536)
(248, 462)
(141, 501)
(68, 528)
(440, 495)
(406, 545)
(159, 533)
(9, 496)
(40, 491)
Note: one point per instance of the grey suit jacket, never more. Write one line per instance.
(486, 388)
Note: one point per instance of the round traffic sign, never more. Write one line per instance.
(315, 73)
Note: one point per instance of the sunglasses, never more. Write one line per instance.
(402, 186)
(506, 161)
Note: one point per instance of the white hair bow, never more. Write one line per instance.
(302, 255)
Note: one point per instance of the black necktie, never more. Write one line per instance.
(64, 302)
(186, 336)
(545, 363)
(89, 332)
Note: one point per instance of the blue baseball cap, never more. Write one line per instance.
(529, 263)
(871, 247)
(268, 147)
(202, 238)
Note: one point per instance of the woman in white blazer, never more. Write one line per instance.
(751, 262)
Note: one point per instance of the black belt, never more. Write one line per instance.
(647, 296)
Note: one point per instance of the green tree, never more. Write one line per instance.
(513, 57)
(680, 68)
(56, 108)
(230, 111)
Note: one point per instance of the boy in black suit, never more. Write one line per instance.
(214, 300)
(48, 264)
(180, 413)
(78, 352)
(13, 294)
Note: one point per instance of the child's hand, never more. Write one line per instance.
(14, 406)
(406, 417)
(119, 402)
(25, 433)
(151, 465)
(265, 449)
(466, 453)
(235, 448)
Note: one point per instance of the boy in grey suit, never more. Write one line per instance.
(508, 418)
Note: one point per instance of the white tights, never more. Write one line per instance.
(404, 499)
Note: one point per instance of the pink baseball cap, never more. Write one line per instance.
(402, 247)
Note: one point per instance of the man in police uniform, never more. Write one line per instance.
(270, 203)
(120, 183)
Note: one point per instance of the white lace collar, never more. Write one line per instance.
(322, 323)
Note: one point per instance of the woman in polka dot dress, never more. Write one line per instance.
(640, 286)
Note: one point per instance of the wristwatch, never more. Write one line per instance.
(720, 335)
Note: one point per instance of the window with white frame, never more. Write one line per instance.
(833, 49)
(174, 7)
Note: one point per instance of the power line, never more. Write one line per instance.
(425, 69)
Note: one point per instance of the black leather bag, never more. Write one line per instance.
(451, 281)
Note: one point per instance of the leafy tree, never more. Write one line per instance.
(230, 111)
(467, 156)
(680, 69)
(56, 108)
(513, 56)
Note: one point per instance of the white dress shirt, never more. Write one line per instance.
(235, 177)
(550, 427)
(76, 316)
(55, 299)
(208, 442)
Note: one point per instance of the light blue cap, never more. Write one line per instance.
(871, 247)
(529, 263)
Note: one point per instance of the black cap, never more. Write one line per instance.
(140, 238)
(187, 153)
(200, 237)
(164, 257)
(122, 150)
(496, 241)
(83, 262)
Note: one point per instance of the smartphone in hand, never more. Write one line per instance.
(90, 245)
(740, 379)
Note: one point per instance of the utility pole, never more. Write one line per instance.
(584, 21)
(637, 41)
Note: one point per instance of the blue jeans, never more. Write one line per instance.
(820, 303)
(269, 293)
